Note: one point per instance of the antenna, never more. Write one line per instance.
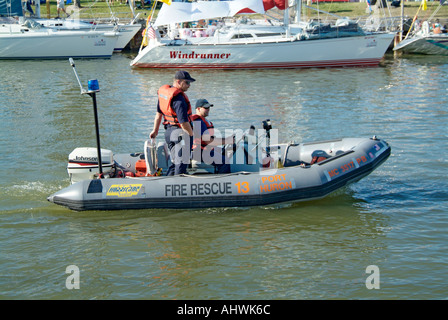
(72, 63)
(93, 89)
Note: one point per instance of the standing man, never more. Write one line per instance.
(60, 6)
(175, 108)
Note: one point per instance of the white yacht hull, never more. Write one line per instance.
(364, 50)
(53, 44)
(433, 44)
(127, 31)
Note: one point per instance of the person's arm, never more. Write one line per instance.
(180, 107)
(157, 121)
(187, 128)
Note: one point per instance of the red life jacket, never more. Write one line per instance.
(210, 130)
(166, 94)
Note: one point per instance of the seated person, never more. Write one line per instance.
(205, 145)
(200, 34)
(211, 29)
(185, 31)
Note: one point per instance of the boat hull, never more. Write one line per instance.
(367, 50)
(126, 31)
(57, 45)
(241, 189)
(436, 44)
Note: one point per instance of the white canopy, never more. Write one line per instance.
(193, 11)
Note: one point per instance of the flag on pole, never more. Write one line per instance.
(148, 33)
(424, 6)
(151, 32)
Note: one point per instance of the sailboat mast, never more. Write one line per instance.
(286, 20)
(401, 21)
(298, 8)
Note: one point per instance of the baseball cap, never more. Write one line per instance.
(203, 103)
(183, 75)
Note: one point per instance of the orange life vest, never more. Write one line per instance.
(210, 130)
(166, 94)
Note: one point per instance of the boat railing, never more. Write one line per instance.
(375, 23)
(337, 156)
(32, 24)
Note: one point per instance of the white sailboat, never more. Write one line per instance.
(127, 30)
(297, 45)
(427, 38)
(27, 39)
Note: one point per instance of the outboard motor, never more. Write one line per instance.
(83, 163)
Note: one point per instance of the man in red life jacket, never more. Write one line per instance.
(175, 108)
(205, 142)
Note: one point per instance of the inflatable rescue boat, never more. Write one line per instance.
(294, 172)
(260, 173)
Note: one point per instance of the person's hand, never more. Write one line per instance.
(153, 134)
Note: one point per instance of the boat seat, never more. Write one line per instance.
(163, 156)
(318, 156)
(291, 156)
